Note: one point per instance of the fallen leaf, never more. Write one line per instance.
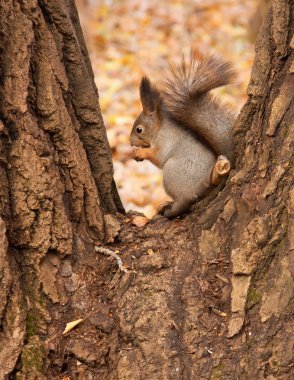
(70, 325)
(140, 221)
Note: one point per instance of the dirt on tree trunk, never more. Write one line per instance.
(207, 296)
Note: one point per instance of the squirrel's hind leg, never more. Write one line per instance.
(162, 207)
(178, 207)
(220, 169)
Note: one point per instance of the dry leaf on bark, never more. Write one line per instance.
(140, 221)
(70, 325)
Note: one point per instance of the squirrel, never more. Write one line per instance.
(186, 130)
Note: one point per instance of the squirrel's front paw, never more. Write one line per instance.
(138, 159)
(138, 155)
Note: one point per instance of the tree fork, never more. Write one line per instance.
(207, 296)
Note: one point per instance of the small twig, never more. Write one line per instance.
(218, 312)
(222, 278)
(109, 252)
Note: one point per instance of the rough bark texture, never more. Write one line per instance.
(56, 183)
(209, 296)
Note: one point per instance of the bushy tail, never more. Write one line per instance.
(189, 80)
(187, 98)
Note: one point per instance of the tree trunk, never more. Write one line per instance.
(56, 172)
(209, 296)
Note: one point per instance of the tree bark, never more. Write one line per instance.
(56, 186)
(209, 296)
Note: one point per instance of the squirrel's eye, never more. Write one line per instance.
(139, 129)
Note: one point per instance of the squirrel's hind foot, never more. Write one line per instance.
(220, 169)
(178, 208)
(163, 206)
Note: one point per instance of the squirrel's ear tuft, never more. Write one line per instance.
(150, 96)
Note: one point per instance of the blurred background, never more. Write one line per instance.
(129, 38)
